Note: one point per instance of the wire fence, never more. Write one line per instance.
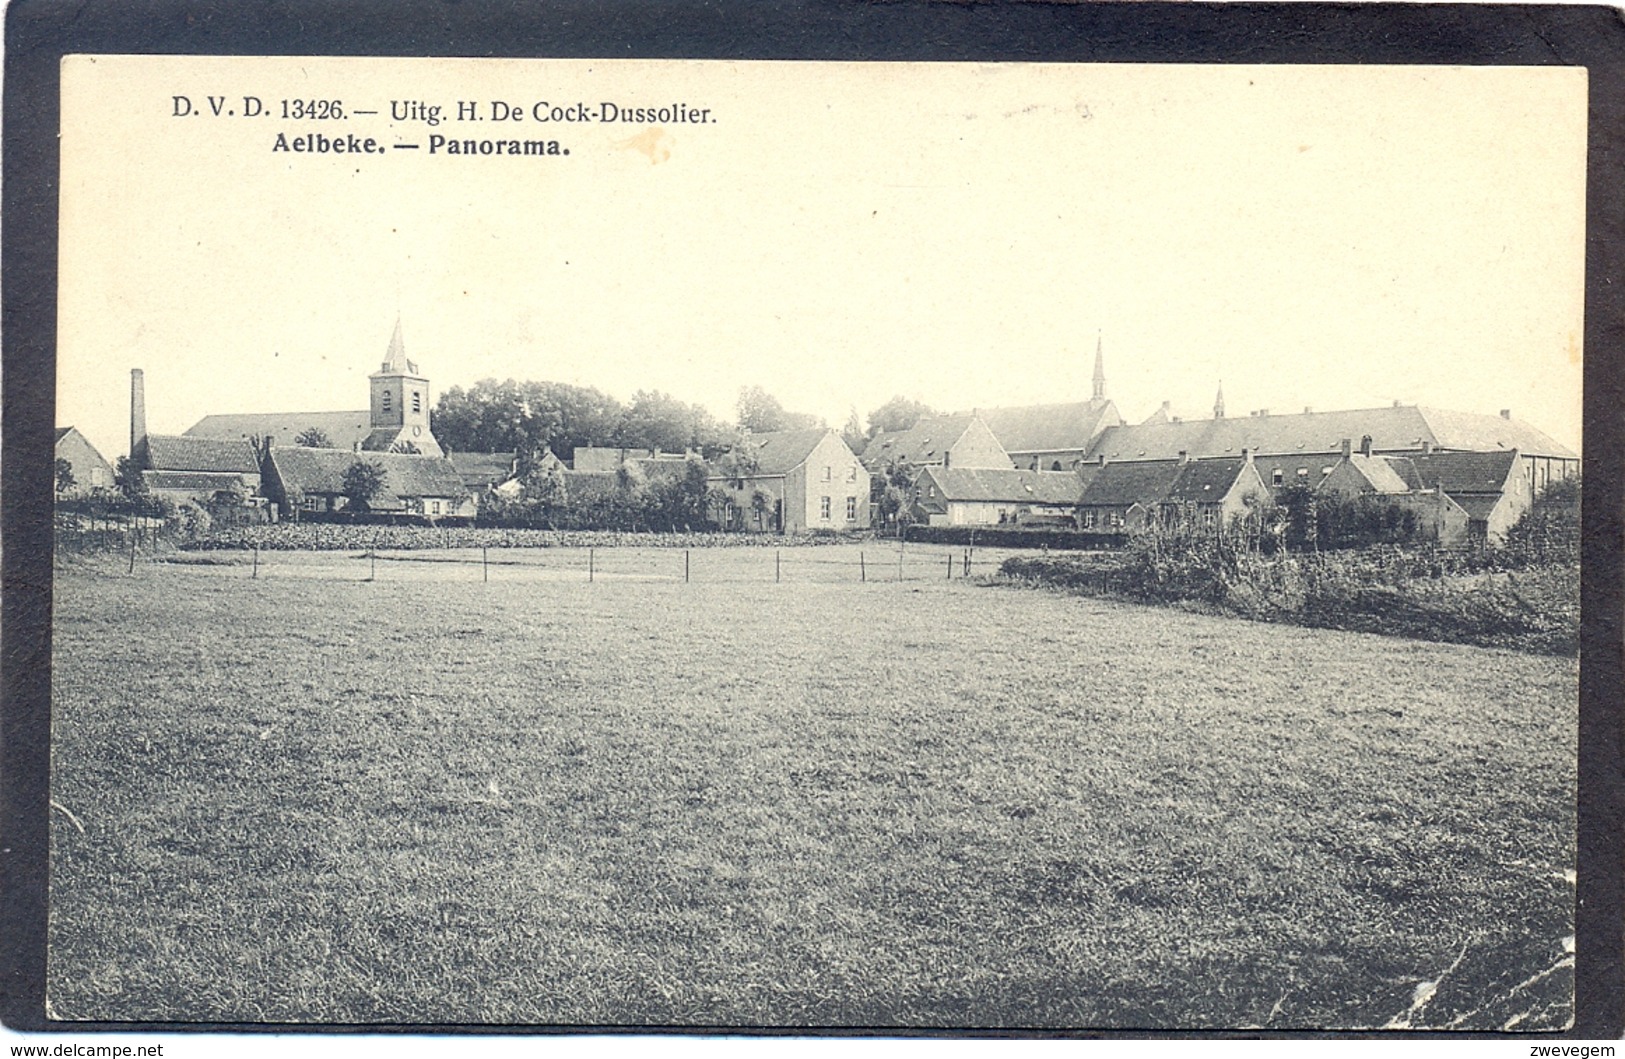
(883, 564)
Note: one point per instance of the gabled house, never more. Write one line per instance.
(187, 468)
(937, 441)
(311, 482)
(1457, 496)
(791, 481)
(1130, 497)
(90, 470)
(968, 496)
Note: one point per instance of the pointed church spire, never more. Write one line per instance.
(1218, 402)
(1100, 370)
(395, 361)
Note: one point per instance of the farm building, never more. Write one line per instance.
(791, 481)
(91, 472)
(183, 468)
(397, 418)
(938, 441)
(485, 472)
(1457, 495)
(311, 481)
(1128, 497)
(968, 496)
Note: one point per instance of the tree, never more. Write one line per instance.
(899, 413)
(759, 411)
(313, 438)
(406, 448)
(64, 475)
(853, 433)
(127, 476)
(546, 488)
(362, 482)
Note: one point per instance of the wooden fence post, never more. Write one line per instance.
(685, 566)
(863, 573)
(485, 568)
(589, 566)
(775, 566)
(950, 566)
(255, 576)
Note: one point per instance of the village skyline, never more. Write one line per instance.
(961, 234)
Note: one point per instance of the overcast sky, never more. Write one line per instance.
(1334, 237)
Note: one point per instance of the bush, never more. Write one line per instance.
(1006, 537)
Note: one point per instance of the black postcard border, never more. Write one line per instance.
(39, 32)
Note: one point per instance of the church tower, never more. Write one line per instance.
(1100, 372)
(1218, 402)
(400, 403)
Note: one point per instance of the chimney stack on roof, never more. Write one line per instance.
(1427, 447)
(1348, 447)
(1506, 413)
(1184, 455)
(1396, 402)
(1308, 410)
(138, 410)
(1365, 445)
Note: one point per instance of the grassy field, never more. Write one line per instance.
(814, 803)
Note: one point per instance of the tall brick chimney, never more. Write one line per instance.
(1365, 445)
(138, 410)
(1348, 447)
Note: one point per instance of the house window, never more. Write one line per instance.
(434, 507)
(417, 401)
(851, 509)
(1116, 520)
(312, 503)
(1089, 519)
(1209, 516)
(823, 508)
(1303, 472)
(931, 492)
(1277, 476)
(827, 470)
(1324, 471)
(852, 473)
(386, 400)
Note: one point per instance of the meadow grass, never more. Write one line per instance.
(930, 804)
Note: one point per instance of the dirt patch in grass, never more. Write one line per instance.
(838, 804)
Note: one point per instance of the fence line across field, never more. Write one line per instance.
(713, 565)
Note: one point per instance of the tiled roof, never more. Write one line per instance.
(782, 451)
(1478, 507)
(978, 484)
(1402, 428)
(1050, 427)
(194, 481)
(924, 442)
(1124, 484)
(181, 453)
(1382, 473)
(1471, 432)
(1464, 472)
(1203, 481)
(344, 430)
(321, 471)
(481, 469)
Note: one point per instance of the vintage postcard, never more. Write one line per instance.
(828, 545)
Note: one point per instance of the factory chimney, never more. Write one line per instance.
(138, 411)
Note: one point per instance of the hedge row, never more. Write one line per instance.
(310, 536)
(1376, 591)
(995, 537)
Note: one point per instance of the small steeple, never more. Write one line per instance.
(1100, 371)
(395, 362)
(1218, 402)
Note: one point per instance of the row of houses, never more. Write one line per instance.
(1073, 465)
(1464, 474)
